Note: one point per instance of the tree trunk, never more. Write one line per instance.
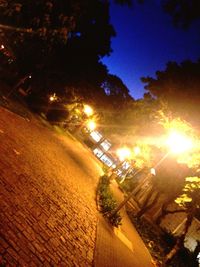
(149, 206)
(144, 204)
(164, 211)
(139, 187)
(174, 250)
(180, 240)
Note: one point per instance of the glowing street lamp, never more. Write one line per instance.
(136, 150)
(88, 110)
(123, 153)
(179, 143)
(53, 98)
(91, 125)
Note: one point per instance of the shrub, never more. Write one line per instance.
(107, 201)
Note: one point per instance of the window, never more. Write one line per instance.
(98, 152)
(96, 136)
(106, 160)
(106, 145)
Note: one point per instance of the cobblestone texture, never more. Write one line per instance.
(47, 196)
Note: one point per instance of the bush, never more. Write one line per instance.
(107, 201)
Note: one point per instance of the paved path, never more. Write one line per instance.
(48, 212)
(123, 247)
(47, 196)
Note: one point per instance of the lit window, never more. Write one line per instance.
(98, 152)
(106, 160)
(96, 136)
(126, 165)
(106, 145)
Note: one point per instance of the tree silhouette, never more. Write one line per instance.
(183, 12)
(178, 82)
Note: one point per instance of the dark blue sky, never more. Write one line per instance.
(146, 40)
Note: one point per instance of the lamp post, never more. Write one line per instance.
(177, 143)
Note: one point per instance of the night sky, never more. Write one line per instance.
(146, 40)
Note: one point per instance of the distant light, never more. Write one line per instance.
(136, 150)
(88, 110)
(123, 153)
(30, 76)
(153, 171)
(2, 46)
(53, 97)
(91, 125)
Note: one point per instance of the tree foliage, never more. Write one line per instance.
(62, 40)
(183, 12)
(178, 82)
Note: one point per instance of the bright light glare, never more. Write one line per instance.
(179, 143)
(88, 110)
(123, 153)
(153, 171)
(91, 125)
(53, 97)
(136, 150)
(2, 47)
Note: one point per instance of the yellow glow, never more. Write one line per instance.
(179, 143)
(137, 150)
(123, 153)
(91, 125)
(88, 110)
(153, 171)
(53, 97)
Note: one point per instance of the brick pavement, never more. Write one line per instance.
(47, 197)
(121, 248)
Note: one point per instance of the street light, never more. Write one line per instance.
(136, 150)
(88, 110)
(123, 153)
(53, 98)
(91, 125)
(178, 143)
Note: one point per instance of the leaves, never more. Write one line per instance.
(191, 192)
(178, 81)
